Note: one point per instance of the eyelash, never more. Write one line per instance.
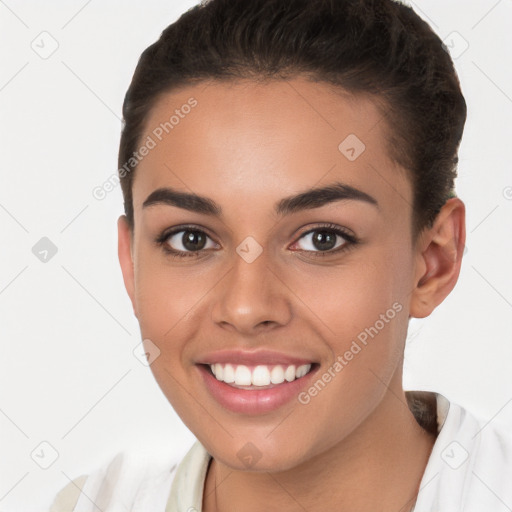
(350, 240)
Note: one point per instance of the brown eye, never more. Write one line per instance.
(193, 240)
(323, 240)
(188, 240)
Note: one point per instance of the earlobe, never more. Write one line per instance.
(124, 251)
(440, 251)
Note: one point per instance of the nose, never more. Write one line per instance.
(252, 298)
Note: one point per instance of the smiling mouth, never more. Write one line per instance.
(258, 376)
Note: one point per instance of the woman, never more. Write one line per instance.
(287, 171)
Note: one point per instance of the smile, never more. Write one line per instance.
(256, 389)
(259, 376)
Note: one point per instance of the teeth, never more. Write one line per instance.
(219, 371)
(229, 374)
(261, 375)
(242, 375)
(277, 375)
(302, 370)
(289, 373)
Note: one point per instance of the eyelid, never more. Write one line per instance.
(166, 233)
(329, 227)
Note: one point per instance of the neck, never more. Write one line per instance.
(377, 467)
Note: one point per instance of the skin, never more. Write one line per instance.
(246, 145)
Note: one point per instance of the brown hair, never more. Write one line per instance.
(380, 47)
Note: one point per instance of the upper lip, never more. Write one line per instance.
(266, 357)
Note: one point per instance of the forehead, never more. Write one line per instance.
(249, 139)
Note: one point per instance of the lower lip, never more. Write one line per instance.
(253, 401)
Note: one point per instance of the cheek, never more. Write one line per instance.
(345, 300)
(167, 294)
(171, 311)
(362, 320)
(166, 298)
(361, 315)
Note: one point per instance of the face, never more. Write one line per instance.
(263, 271)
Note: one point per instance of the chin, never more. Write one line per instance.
(259, 456)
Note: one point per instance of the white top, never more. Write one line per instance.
(469, 470)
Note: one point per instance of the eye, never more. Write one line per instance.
(190, 241)
(185, 241)
(325, 239)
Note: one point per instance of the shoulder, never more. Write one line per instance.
(486, 449)
(470, 464)
(130, 479)
(67, 498)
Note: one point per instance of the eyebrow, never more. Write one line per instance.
(310, 199)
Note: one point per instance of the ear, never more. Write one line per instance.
(439, 257)
(124, 251)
